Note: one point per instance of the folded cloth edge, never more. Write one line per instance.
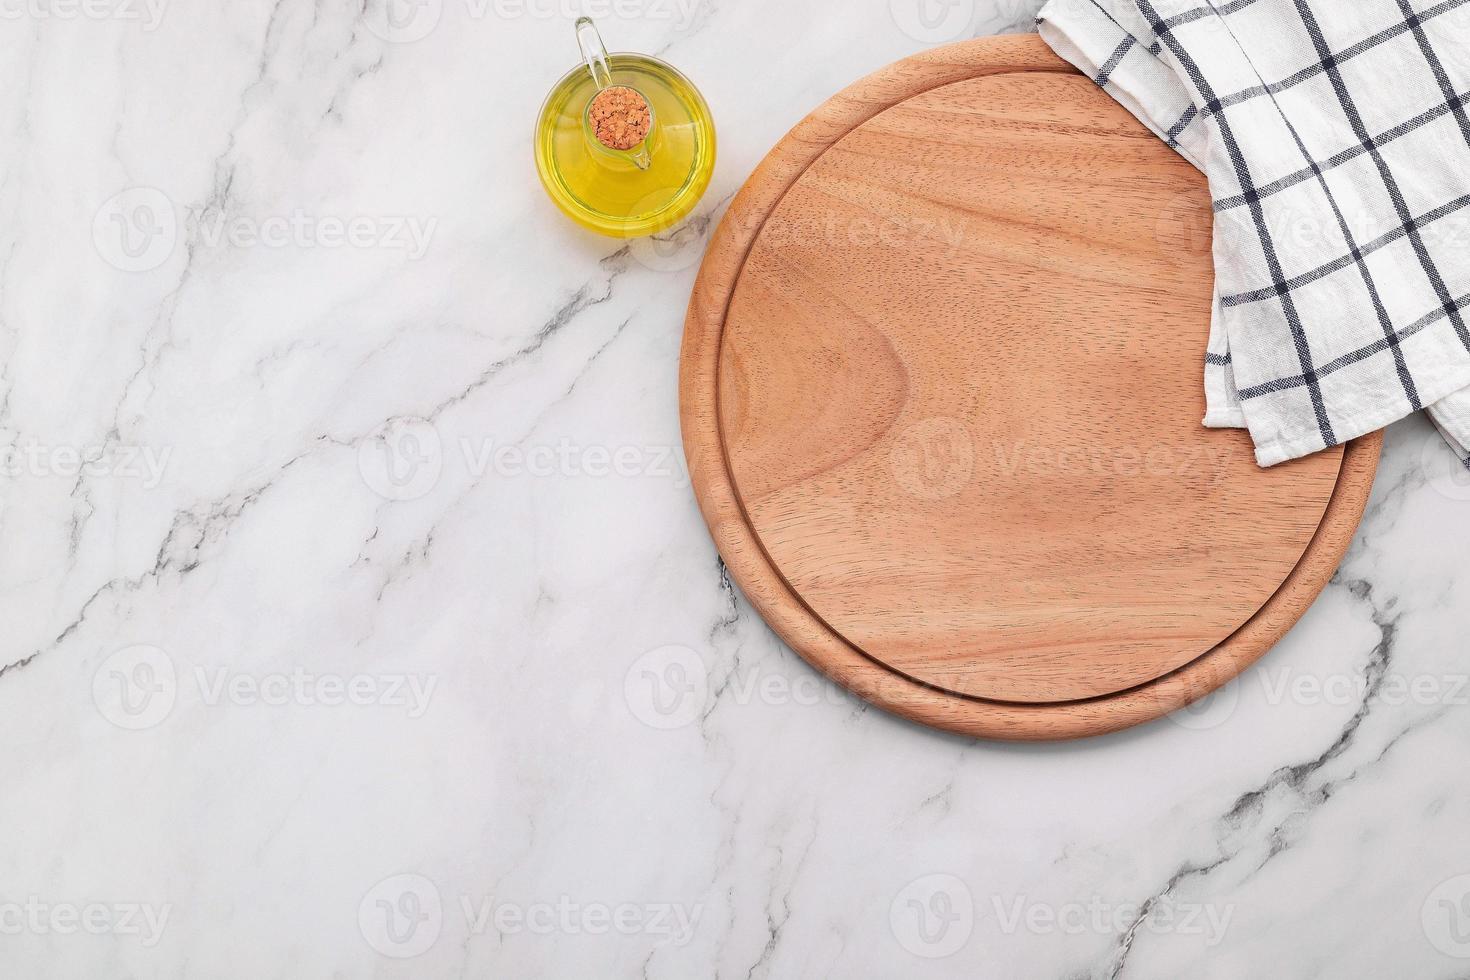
(1095, 42)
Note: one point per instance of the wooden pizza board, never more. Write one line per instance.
(941, 398)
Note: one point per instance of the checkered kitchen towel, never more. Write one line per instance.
(1336, 138)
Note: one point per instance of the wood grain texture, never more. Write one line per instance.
(941, 398)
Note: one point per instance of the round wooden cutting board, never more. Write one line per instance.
(941, 396)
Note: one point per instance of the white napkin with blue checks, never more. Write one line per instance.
(1335, 135)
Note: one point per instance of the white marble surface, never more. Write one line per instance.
(267, 712)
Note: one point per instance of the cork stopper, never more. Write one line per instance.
(620, 117)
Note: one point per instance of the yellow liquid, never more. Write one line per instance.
(606, 192)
